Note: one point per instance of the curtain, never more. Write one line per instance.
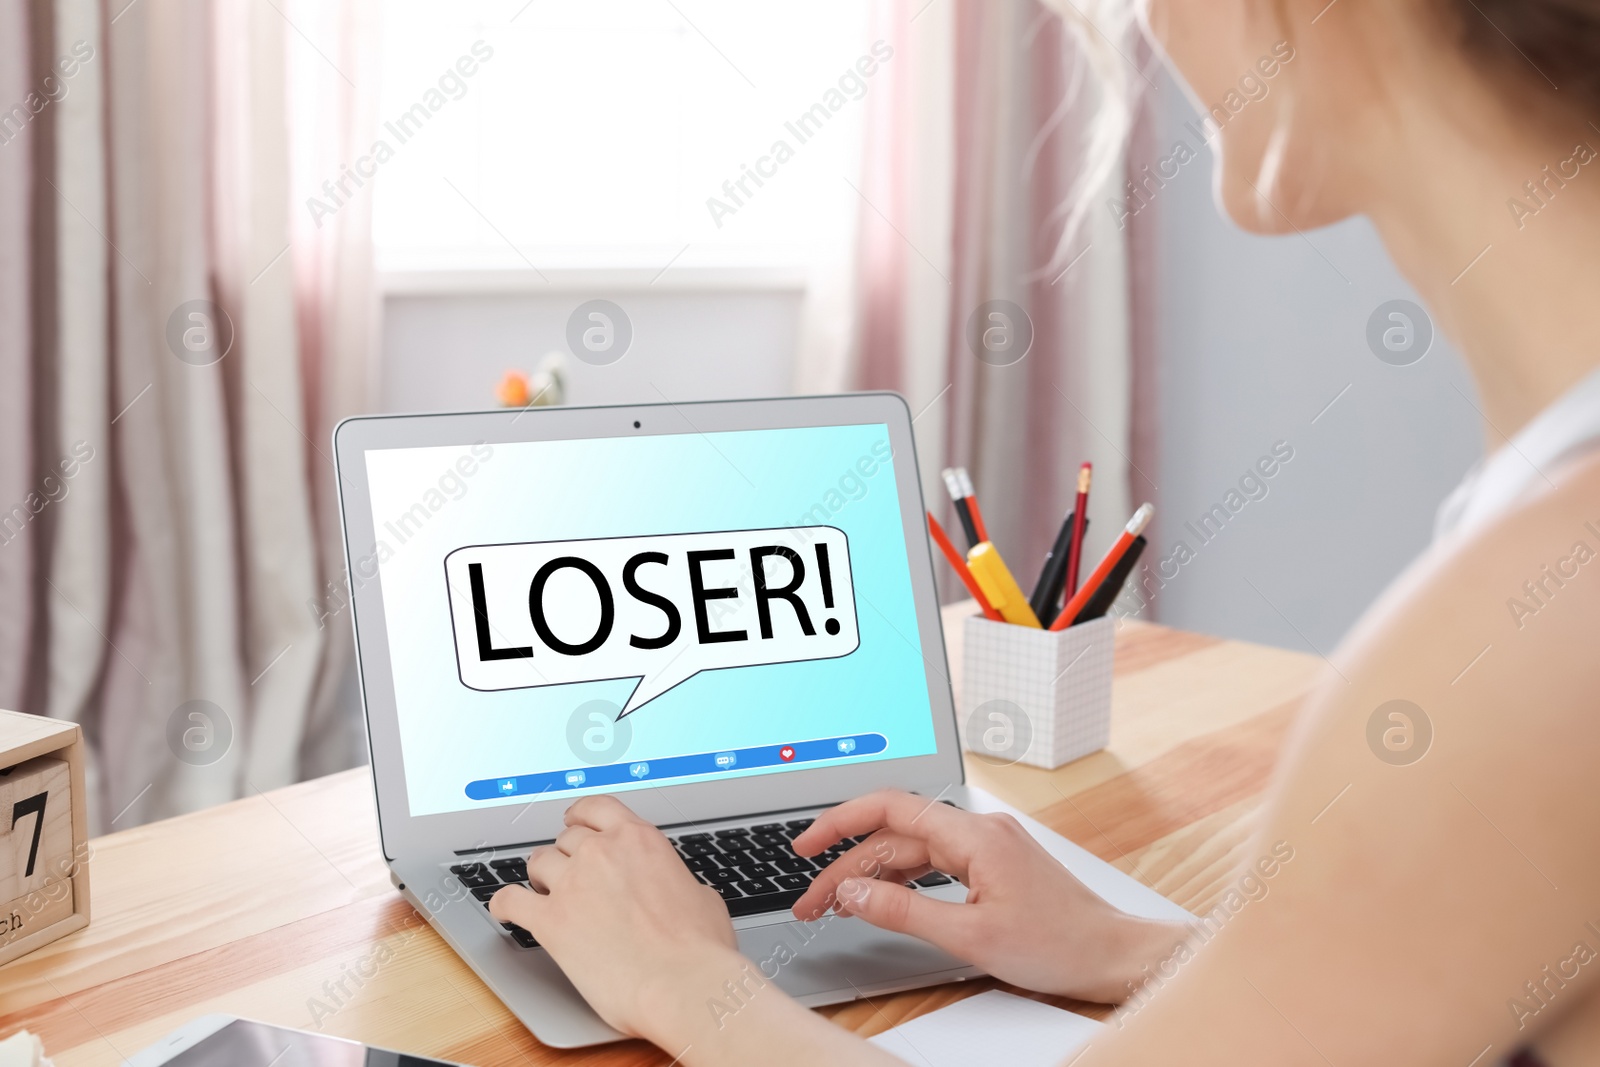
(176, 341)
(974, 144)
(18, 143)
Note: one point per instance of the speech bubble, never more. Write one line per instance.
(660, 609)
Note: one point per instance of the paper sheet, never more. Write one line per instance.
(992, 1027)
(22, 1049)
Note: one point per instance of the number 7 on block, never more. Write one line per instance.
(35, 826)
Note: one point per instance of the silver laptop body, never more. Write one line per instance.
(425, 499)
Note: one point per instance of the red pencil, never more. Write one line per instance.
(1135, 527)
(941, 539)
(1079, 515)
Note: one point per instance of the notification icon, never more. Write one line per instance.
(786, 753)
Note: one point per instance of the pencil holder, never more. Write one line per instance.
(1033, 696)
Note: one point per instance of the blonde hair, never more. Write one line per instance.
(1108, 40)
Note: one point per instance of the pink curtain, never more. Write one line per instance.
(1017, 133)
(337, 314)
(188, 345)
(882, 248)
(18, 144)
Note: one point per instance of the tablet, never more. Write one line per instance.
(227, 1041)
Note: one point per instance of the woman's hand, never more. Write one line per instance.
(624, 918)
(1027, 920)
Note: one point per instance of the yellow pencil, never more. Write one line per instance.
(994, 578)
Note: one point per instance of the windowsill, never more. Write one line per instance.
(444, 272)
(454, 281)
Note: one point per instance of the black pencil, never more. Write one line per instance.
(1108, 592)
(960, 487)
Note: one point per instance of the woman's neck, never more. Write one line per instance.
(1517, 288)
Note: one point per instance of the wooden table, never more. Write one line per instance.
(275, 907)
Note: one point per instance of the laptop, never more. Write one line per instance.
(723, 613)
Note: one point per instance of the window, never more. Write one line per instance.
(560, 133)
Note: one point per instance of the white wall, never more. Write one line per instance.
(447, 342)
(1256, 337)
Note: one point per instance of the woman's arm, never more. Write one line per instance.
(661, 965)
(1438, 908)
(719, 1012)
(1573, 1038)
(1026, 918)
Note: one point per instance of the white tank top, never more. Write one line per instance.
(1561, 431)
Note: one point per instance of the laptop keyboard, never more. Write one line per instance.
(753, 868)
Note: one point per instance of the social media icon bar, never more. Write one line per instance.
(754, 758)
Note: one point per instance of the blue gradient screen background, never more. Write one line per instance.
(620, 487)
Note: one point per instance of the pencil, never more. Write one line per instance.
(972, 504)
(959, 486)
(942, 539)
(1080, 514)
(1130, 533)
(1101, 602)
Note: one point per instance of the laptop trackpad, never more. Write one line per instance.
(837, 955)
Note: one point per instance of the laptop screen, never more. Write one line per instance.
(612, 614)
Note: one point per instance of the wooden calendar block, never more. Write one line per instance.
(44, 870)
(35, 826)
(39, 910)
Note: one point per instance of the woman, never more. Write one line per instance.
(1441, 911)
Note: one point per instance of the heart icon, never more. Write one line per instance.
(786, 753)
